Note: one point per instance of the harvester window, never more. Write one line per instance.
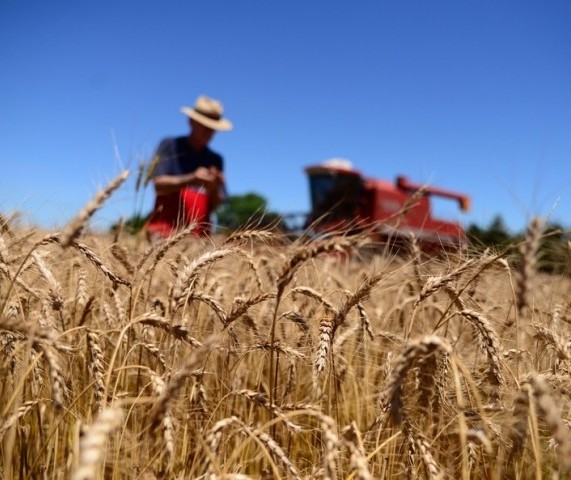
(335, 196)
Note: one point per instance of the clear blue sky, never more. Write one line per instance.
(473, 96)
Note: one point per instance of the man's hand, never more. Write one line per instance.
(210, 179)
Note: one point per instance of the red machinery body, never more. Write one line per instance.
(343, 199)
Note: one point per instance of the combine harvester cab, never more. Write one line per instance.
(343, 199)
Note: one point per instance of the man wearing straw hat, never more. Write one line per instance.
(187, 174)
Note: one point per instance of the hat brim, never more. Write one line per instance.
(222, 125)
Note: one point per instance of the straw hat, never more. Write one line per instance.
(208, 112)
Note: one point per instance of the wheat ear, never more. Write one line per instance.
(186, 278)
(528, 255)
(305, 253)
(213, 437)
(241, 236)
(329, 326)
(177, 331)
(311, 293)
(167, 421)
(93, 258)
(75, 227)
(412, 353)
(96, 369)
(354, 442)
(490, 342)
(92, 444)
(241, 305)
(433, 470)
(121, 255)
(552, 338)
(331, 447)
(177, 381)
(260, 399)
(12, 419)
(552, 417)
(42, 340)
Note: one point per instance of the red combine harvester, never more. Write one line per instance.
(342, 199)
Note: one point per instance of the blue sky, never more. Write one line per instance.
(473, 96)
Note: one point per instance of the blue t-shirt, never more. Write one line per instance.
(177, 157)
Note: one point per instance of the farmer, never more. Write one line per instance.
(187, 175)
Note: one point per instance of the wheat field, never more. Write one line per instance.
(255, 356)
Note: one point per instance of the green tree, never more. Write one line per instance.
(248, 210)
(132, 225)
(496, 234)
(554, 249)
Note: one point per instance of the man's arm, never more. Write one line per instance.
(211, 180)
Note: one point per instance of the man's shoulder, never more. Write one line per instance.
(166, 144)
(171, 141)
